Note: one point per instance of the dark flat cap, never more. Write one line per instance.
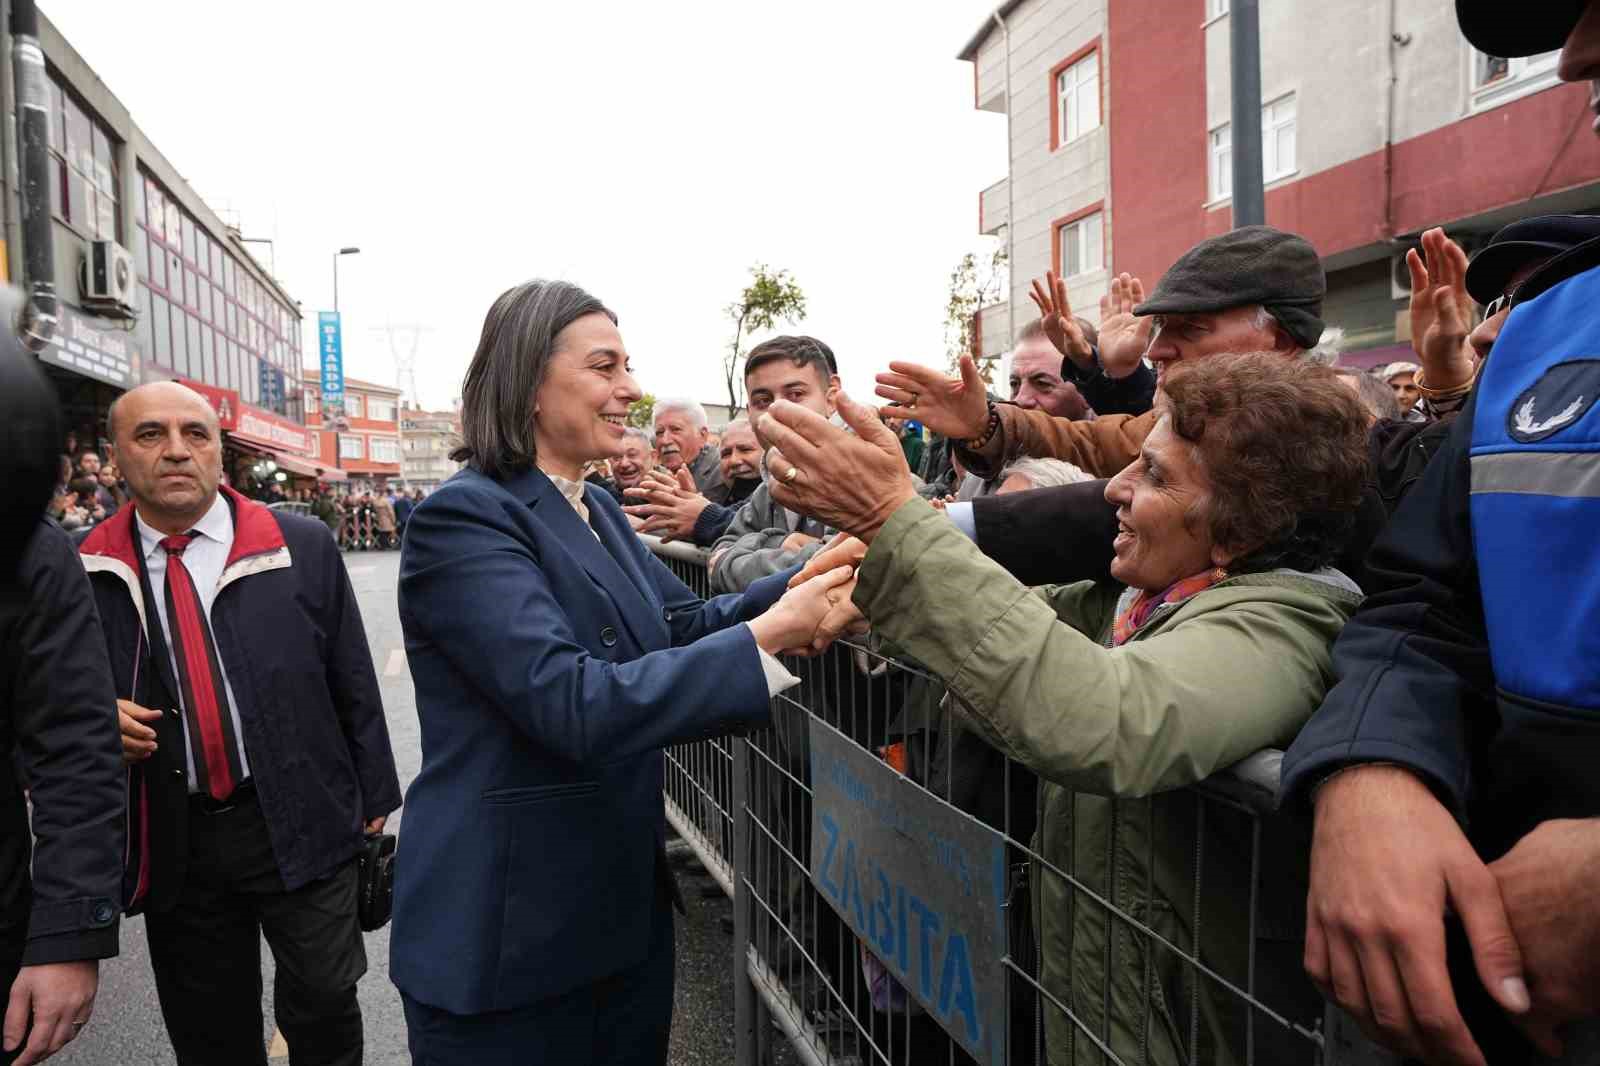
(1502, 28)
(1524, 242)
(1246, 266)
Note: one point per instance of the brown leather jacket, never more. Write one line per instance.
(1102, 446)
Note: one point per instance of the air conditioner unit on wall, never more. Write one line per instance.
(107, 279)
(1399, 277)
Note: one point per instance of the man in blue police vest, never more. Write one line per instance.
(1469, 692)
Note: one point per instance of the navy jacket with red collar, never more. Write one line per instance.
(290, 637)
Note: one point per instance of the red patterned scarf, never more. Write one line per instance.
(1138, 611)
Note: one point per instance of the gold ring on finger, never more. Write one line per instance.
(792, 473)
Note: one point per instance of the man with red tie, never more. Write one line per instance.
(255, 740)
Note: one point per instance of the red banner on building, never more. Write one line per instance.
(272, 431)
(223, 401)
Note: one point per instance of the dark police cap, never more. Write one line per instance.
(1502, 28)
(1526, 241)
(1250, 265)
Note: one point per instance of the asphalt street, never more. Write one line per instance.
(126, 1029)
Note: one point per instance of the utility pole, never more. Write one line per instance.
(405, 355)
(1244, 36)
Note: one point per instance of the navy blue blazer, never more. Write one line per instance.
(551, 667)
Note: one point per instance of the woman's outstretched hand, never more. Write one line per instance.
(790, 626)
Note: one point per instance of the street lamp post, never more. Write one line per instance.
(336, 255)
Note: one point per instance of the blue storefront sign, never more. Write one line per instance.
(920, 883)
(331, 345)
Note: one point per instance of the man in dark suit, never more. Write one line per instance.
(251, 717)
(59, 741)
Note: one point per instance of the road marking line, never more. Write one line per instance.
(397, 663)
(279, 1048)
(358, 571)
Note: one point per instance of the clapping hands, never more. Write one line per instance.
(671, 507)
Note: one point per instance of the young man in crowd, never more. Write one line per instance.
(1402, 379)
(89, 467)
(254, 729)
(1452, 908)
(683, 439)
(764, 537)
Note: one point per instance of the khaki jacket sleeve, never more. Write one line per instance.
(1101, 446)
(1152, 715)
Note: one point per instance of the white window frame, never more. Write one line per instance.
(388, 405)
(1076, 89)
(1524, 76)
(1087, 239)
(360, 450)
(355, 405)
(1219, 155)
(1215, 9)
(1274, 121)
(390, 445)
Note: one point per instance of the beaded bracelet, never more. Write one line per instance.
(977, 443)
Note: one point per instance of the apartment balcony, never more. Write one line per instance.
(994, 209)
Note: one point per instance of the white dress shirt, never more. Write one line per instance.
(778, 679)
(204, 558)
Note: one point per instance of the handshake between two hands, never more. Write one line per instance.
(818, 608)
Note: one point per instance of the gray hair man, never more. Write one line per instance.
(683, 438)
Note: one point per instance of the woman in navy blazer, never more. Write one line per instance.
(553, 657)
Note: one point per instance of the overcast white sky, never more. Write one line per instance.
(649, 152)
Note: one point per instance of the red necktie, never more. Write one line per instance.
(205, 700)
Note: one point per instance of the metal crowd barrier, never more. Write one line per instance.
(881, 864)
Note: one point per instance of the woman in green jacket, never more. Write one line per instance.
(1212, 644)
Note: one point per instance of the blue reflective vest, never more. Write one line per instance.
(1535, 509)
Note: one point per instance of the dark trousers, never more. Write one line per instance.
(206, 950)
(623, 1020)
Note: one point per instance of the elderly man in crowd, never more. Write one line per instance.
(256, 740)
(638, 458)
(1212, 641)
(765, 537)
(1452, 769)
(672, 509)
(683, 440)
(1122, 387)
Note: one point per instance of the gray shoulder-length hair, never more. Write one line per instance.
(497, 397)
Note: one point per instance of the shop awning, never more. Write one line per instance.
(295, 464)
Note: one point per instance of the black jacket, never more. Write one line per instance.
(290, 637)
(58, 727)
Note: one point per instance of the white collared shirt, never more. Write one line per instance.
(204, 558)
(777, 677)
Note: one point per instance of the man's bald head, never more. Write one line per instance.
(171, 390)
(169, 449)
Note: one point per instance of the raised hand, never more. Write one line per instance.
(850, 482)
(1124, 336)
(1055, 315)
(1441, 310)
(955, 407)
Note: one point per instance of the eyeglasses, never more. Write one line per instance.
(1504, 302)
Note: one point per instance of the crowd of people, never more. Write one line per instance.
(1188, 533)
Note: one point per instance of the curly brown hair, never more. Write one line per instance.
(1285, 447)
